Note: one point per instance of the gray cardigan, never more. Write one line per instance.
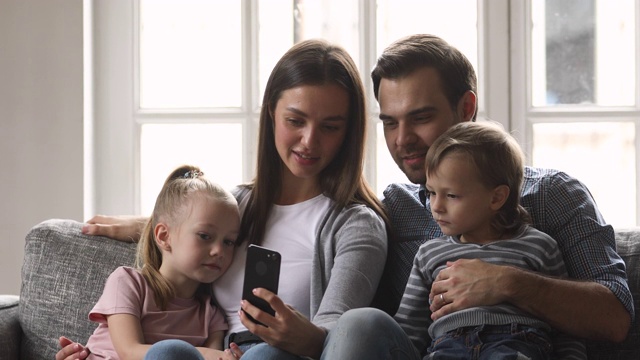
(350, 251)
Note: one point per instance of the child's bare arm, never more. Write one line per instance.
(215, 340)
(127, 337)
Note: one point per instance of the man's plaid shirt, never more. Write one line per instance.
(560, 206)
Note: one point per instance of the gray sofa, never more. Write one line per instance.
(63, 273)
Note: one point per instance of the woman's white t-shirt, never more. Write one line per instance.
(291, 230)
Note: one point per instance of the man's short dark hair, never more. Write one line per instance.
(408, 54)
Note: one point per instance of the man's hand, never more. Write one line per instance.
(123, 228)
(465, 284)
(71, 350)
(562, 303)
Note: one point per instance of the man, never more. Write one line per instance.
(424, 86)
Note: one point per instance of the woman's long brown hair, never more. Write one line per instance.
(311, 62)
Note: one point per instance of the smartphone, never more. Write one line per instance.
(262, 270)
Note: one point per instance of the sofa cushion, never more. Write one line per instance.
(628, 243)
(60, 284)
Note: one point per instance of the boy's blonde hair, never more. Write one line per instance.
(498, 159)
(170, 207)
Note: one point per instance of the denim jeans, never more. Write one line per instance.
(173, 350)
(492, 342)
(178, 350)
(368, 333)
(264, 351)
(365, 333)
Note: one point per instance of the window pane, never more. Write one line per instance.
(215, 148)
(398, 18)
(190, 54)
(441, 18)
(283, 23)
(388, 170)
(600, 155)
(574, 57)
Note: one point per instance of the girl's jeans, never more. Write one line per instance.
(173, 349)
(178, 350)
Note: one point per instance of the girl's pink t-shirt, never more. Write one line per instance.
(127, 292)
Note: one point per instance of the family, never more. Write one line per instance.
(478, 257)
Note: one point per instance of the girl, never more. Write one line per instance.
(187, 244)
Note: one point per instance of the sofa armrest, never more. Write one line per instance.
(63, 274)
(628, 246)
(10, 331)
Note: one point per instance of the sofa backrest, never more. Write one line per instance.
(62, 278)
(64, 272)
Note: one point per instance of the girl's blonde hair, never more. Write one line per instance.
(498, 160)
(183, 183)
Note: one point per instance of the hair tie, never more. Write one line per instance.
(192, 174)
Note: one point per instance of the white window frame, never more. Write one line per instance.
(524, 115)
(112, 125)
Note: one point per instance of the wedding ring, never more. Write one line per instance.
(442, 298)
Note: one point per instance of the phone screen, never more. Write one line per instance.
(262, 270)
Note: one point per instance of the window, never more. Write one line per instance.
(197, 70)
(181, 82)
(579, 110)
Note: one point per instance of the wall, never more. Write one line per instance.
(41, 122)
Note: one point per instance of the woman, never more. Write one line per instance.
(308, 201)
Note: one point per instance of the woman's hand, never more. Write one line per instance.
(71, 350)
(288, 330)
(123, 228)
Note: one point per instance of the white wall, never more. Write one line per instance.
(41, 122)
